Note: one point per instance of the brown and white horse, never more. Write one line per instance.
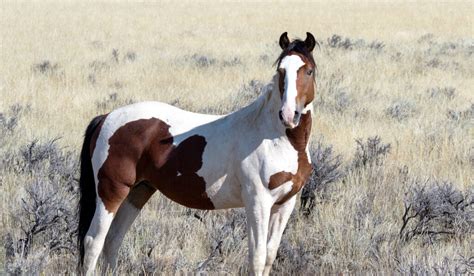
(256, 158)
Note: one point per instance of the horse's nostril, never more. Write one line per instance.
(297, 113)
(280, 115)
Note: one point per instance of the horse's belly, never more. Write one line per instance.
(187, 190)
(225, 193)
(192, 190)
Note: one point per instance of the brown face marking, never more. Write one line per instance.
(305, 82)
(281, 81)
(299, 137)
(144, 150)
(305, 85)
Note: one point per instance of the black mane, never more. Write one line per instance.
(297, 46)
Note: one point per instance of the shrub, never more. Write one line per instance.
(202, 61)
(48, 160)
(9, 120)
(46, 216)
(337, 41)
(111, 102)
(232, 62)
(342, 101)
(45, 67)
(47, 222)
(400, 110)
(326, 170)
(227, 235)
(295, 258)
(447, 92)
(437, 209)
(467, 114)
(372, 152)
(130, 56)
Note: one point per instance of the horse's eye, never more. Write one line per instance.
(310, 72)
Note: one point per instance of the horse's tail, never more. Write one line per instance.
(87, 202)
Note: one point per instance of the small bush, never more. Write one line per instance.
(446, 92)
(248, 93)
(400, 110)
(9, 120)
(98, 66)
(342, 101)
(115, 55)
(47, 220)
(372, 152)
(337, 41)
(295, 258)
(232, 62)
(227, 235)
(447, 266)
(326, 170)
(49, 160)
(437, 209)
(202, 61)
(45, 68)
(46, 216)
(130, 56)
(467, 114)
(111, 102)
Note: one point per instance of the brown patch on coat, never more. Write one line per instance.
(144, 150)
(298, 137)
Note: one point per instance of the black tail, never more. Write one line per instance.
(87, 187)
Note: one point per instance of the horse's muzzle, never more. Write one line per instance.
(290, 121)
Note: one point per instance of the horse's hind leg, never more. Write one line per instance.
(113, 193)
(126, 214)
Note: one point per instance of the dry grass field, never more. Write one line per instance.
(393, 134)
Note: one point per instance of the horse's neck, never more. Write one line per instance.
(262, 114)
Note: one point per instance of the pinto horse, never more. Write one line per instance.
(256, 158)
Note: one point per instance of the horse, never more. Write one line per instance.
(256, 158)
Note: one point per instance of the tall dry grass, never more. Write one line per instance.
(401, 71)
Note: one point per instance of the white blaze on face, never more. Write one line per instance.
(291, 65)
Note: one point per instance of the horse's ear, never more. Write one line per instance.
(309, 42)
(284, 41)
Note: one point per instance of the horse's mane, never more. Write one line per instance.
(297, 46)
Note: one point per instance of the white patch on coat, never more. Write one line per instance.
(95, 237)
(291, 65)
(308, 107)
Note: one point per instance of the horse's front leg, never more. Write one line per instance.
(258, 203)
(278, 220)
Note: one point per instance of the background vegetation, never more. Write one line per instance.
(393, 147)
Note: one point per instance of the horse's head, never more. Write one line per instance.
(296, 77)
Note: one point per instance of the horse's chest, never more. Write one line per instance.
(286, 181)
